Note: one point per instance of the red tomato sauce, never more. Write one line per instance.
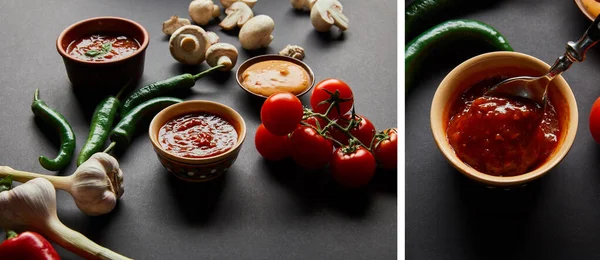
(102, 47)
(197, 136)
(502, 136)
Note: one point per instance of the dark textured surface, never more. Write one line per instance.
(259, 210)
(448, 216)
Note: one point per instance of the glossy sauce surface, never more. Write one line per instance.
(197, 136)
(501, 136)
(102, 47)
(268, 77)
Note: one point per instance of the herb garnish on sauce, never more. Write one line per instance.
(104, 50)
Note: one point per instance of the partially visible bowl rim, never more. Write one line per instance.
(64, 53)
(196, 161)
(446, 149)
(266, 57)
(584, 10)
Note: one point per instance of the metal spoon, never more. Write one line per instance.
(535, 88)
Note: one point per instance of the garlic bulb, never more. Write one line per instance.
(95, 186)
(32, 206)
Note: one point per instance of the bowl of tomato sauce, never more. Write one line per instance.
(103, 53)
(197, 140)
(502, 141)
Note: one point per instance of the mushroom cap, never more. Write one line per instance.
(174, 23)
(216, 11)
(188, 44)
(238, 14)
(227, 3)
(326, 13)
(218, 50)
(301, 4)
(201, 11)
(256, 33)
(212, 37)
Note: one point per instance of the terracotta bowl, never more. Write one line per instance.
(112, 74)
(249, 62)
(496, 64)
(197, 169)
(586, 11)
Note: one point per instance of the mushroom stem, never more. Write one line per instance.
(224, 61)
(78, 243)
(189, 43)
(59, 182)
(339, 19)
(202, 74)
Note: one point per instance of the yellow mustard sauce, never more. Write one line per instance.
(268, 77)
(592, 6)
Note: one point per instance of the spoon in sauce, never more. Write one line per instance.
(535, 88)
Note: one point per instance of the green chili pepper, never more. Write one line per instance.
(161, 88)
(60, 124)
(102, 122)
(123, 132)
(419, 48)
(421, 15)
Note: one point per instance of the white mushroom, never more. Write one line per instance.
(222, 54)
(171, 25)
(256, 33)
(202, 11)
(303, 4)
(212, 37)
(227, 3)
(237, 15)
(188, 44)
(293, 51)
(326, 13)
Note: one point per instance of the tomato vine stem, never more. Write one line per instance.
(353, 141)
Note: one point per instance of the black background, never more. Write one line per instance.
(259, 210)
(448, 216)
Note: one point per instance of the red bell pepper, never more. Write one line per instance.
(27, 246)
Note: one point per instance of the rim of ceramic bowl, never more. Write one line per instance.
(196, 161)
(251, 61)
(444, 93)
(64, 53)
(584, 10)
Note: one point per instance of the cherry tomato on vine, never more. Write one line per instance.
(594, 121)
(385, 148)
(353, 169)
(325, 92)
(364, 131)
(281, 113)
(309, 149)
(270, 146)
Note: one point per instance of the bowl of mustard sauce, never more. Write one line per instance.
(267, 74)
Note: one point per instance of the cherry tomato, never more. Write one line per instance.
(322, 95)
(309, 149)
(385, 148)
(270, 146)
(595, 121)
(281, 113)
(364, 131)
(353, 169)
